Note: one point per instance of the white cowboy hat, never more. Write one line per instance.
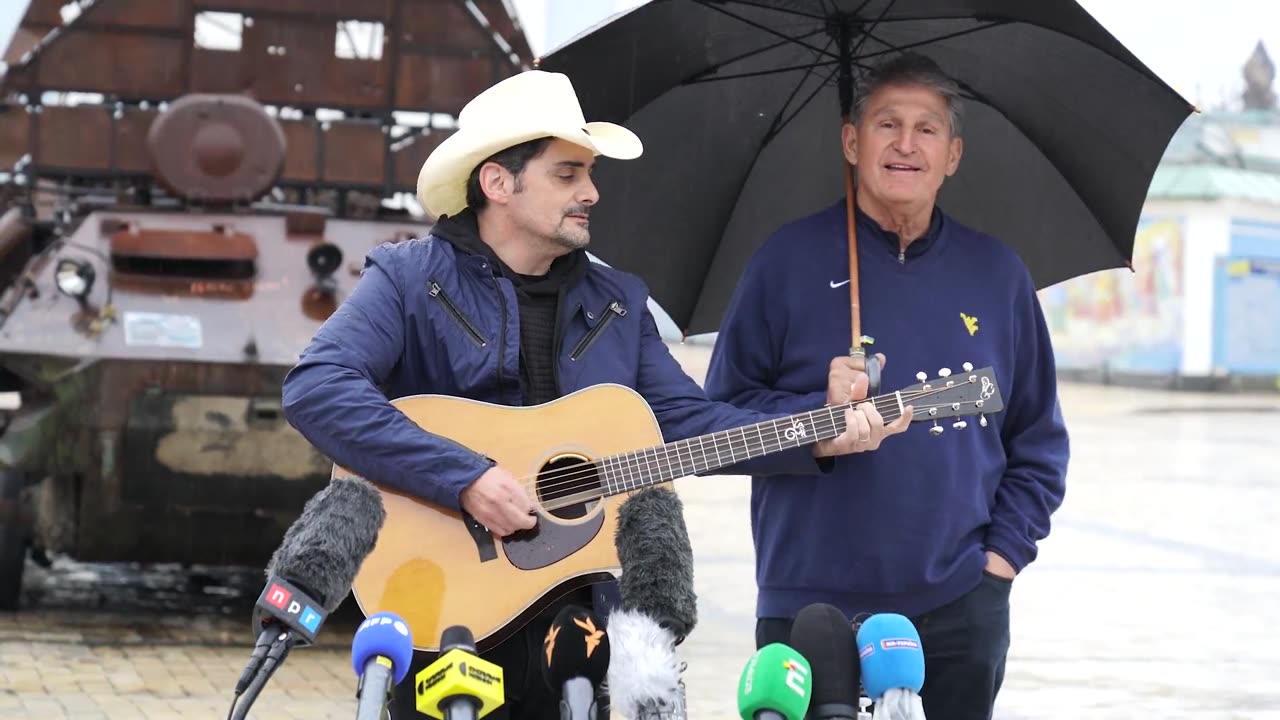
(525, 106)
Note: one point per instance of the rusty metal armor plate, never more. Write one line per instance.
(217, 148)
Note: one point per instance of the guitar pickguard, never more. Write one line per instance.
(549, 542)
(484, 539)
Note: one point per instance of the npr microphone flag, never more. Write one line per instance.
(281, 600)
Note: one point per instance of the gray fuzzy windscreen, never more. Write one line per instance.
(323, 549)
(657, 559)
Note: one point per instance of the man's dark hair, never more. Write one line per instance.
(911, 69)
(514, 159)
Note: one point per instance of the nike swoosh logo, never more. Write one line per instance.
(835, 284)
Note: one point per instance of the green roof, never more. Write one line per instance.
(1213, 182)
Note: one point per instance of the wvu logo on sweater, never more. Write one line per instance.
(970, 323)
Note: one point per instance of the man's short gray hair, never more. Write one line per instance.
(911, 69)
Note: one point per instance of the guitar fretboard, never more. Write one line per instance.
(705, 453)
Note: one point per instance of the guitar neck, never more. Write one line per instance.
(713, 451)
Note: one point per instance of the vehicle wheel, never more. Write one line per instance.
(13, 540)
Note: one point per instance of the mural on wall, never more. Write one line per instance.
(1246, 332)
(1130, 321)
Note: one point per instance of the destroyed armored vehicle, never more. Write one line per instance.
(168, 248)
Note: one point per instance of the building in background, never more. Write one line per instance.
(1199, 308)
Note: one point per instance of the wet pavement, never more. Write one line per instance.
(1156, 596)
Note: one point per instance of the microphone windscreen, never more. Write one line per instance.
(891, 654)
(657, 560)
(644, 671)
(383, 634)
(575, 646)
(823, 635)
(776, 679)
(322, 550)
(457, 636)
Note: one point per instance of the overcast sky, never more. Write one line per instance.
(1198, 47)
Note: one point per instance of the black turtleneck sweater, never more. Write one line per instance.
(539, 299)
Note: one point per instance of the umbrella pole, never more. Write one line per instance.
(843, 33)
(856, 350)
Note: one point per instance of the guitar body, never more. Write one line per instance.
(435, 567)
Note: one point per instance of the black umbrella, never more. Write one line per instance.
(739, 104)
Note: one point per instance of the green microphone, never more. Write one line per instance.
(775, 685)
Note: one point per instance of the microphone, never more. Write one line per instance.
(658, 608)
(459, 685)
(892, 660)
(822, 634)
(380, 654)
(644, 672)
(775, 685)
(657, 560)
(309, 575)
(575, 659)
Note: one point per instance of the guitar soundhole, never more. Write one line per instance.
(568, 486)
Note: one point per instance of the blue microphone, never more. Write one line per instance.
(380, 655)
(892, 660)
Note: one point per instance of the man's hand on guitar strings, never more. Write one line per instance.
(864, 430)
(499, 502)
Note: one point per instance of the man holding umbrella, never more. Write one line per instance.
(931, 525)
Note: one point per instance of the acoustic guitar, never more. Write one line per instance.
(579, 454)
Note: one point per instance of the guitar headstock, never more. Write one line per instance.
(969, 393)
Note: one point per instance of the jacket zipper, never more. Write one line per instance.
(557, 333)
(502, 332)
(614, 309)
(439, 293)
(902, 257)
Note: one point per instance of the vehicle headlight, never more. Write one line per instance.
(324, 260)
(74, 277)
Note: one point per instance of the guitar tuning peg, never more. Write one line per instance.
(944, 372)
(936, 430)
(921, 376)
(968, 367)
(982, 420)
(960, 425)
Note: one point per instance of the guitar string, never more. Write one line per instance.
(595, 468)
(595, 491)
(883, 406)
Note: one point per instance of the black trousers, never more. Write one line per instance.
(527, 694)
(965, 645)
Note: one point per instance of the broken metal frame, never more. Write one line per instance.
(286, 60)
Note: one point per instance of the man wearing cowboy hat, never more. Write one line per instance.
(501, 304)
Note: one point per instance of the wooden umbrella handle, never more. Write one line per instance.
(855, 348)
(871, 363)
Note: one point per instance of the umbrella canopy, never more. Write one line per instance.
(739, 105)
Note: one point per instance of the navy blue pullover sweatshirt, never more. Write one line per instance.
(903, 528)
